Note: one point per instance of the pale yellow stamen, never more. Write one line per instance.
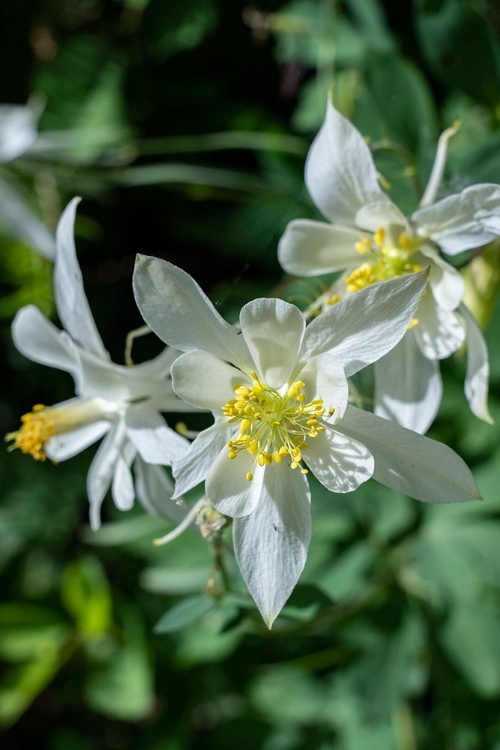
(363, 246)
(386, 259)
(273, 426)
(378, 237)
(43, 423)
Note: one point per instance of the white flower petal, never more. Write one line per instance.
(18, 130)
(193, 468)
(153, 438)
(340, 173)
(118, 382)
(380, 215)
(478, 371)
(446, 282)
(338, 461)
(179, 312)
(271, 543)
(366, 325)
(273, 330)
(204, 380)
(463, 221)
(156, 373)
(64, 446)
(122, 487)
(311, 248)
(20, 221)
(325, 378)
(39, 340)
(101, 471)
(227, 486)
(439, 332)
(410, 463)
(408, 386)
(154, 490)
(71, 301)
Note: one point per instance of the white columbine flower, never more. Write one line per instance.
(278, 392)
(372, 241)
(122, 403)
(18, 133)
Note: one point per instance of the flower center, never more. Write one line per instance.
(272, 425)
(39, 425)
(386, 259)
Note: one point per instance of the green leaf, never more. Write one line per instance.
(288, 694)
(123, 687)
(208, 640)
(470, 637)
(185, 613)
(168, 28)
(87, 58)
(348, 574)
(29, 631)
(402, 99)
(369, 16)
(305, 603)
(460, 47)
(392, 669)
(86, 595)
(21, 685)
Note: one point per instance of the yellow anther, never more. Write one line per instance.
(413, 323)
(404, 241)
(362, 246)
(332, 300)
(249, 476)
(378, 237)
(41, 424)
(273, 425)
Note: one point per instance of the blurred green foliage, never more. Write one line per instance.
(184, 127)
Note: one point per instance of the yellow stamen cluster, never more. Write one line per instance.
(388, 260)
(39, 425)
(33, 434)
(273, 426)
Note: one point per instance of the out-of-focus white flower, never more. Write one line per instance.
(122, 403)
(18, 132)
(372, 241)
(278, 392)
(18, 129)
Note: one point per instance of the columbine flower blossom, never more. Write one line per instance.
(372, 241)
(122, 403)
(278, 392)
(18, 132)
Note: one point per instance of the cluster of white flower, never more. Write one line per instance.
(277, 383)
